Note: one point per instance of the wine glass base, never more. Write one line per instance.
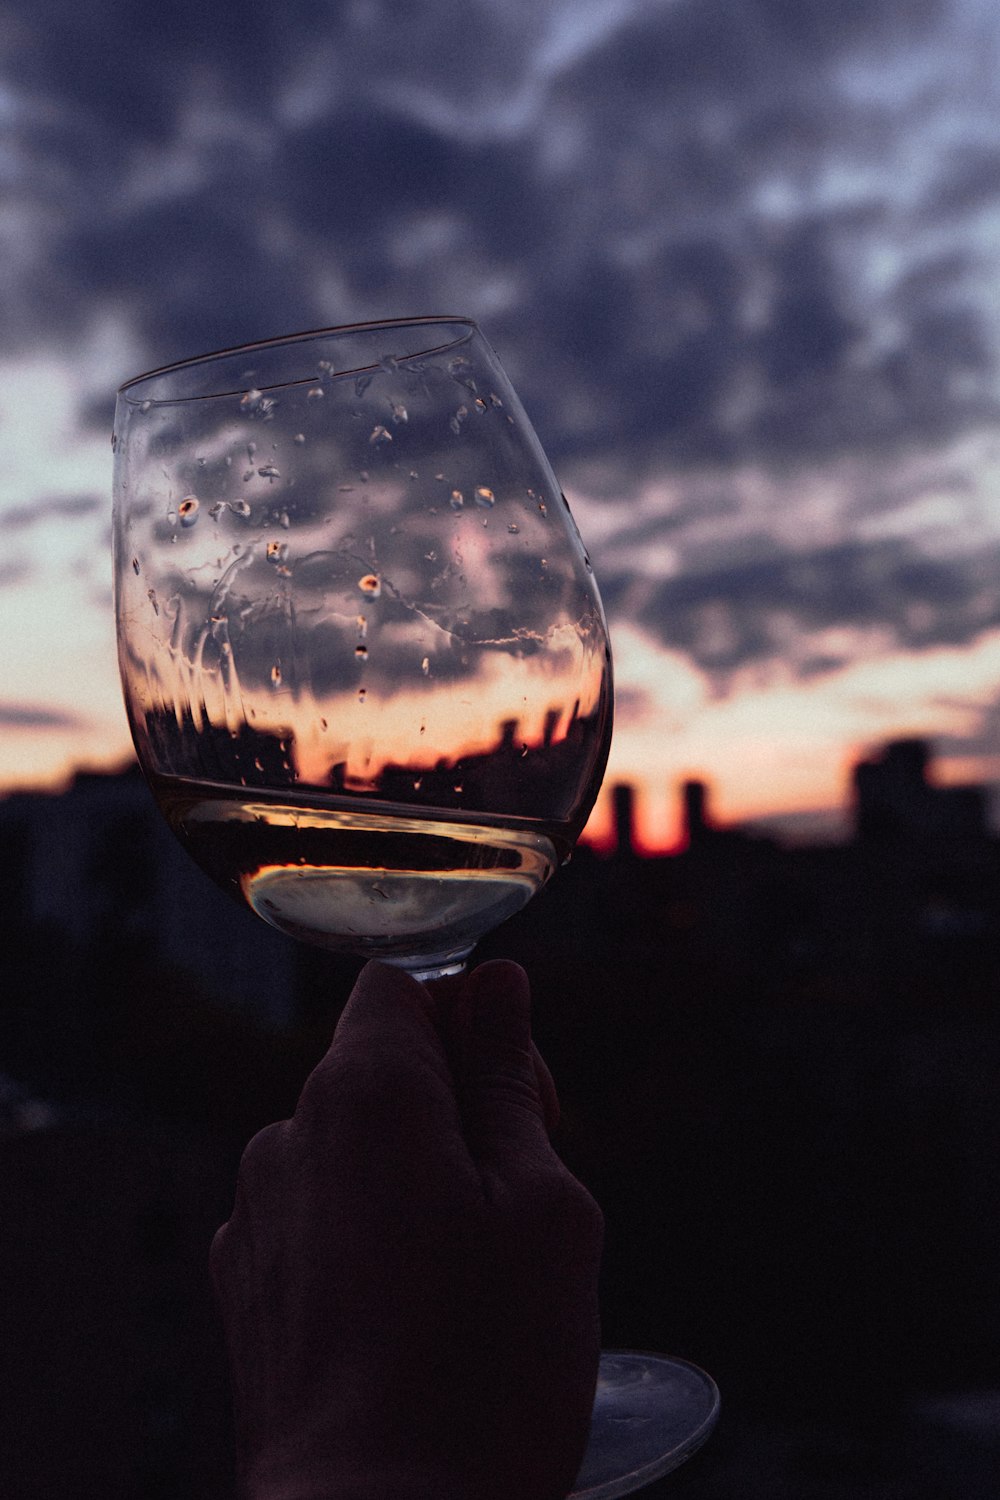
(651, 1414)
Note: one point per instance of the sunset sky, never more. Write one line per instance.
(741, 259)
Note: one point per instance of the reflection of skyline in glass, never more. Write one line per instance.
(548, 776)
(398, 708)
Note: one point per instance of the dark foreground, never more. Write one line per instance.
(778, 1075)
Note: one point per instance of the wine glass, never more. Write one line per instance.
(367, 671)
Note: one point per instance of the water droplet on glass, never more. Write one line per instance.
(485, 497)
(457, 788)
(239, 507)
(425, 666)
(325, 366)
(399, 413)
(461, 370)
(362, 383)
(323, 724)
(380, 434)
(524, 750)
(361, 652)
(370, 584)
(276, 675)
(268, 471)
(587, 562)
(418, 783)
(255, 404)
(495, 399)
(362, 694)
(362, 626)
(283, 520)
(135, 566)
(151, 596)
(439, 478)
(543, 508)
(315, 393)
(188, 510)
(480, 405)
(457, 500)
(277, 552)
(144, 406)
(299, 438)
(456, 422)
(363, 476)
(114, 441)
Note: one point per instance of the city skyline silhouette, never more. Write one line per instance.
(777, 1073)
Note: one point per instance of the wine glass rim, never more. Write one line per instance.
(470, 326)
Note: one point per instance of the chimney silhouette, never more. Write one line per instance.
(624, 806)
(696, 824)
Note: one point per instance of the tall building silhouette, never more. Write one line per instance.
(623, 797)
(895, 799)
(696, 821)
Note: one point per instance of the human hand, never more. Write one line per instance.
(408, 1280)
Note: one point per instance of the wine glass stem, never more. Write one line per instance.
(439, 971)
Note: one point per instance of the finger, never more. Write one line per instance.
(546, 1090)
(502, 1089)
(451, 1001)
(386, 1023)
(386, 1069)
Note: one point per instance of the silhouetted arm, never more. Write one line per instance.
(409, 1277)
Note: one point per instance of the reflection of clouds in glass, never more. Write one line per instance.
(241, 598)
(425, 582)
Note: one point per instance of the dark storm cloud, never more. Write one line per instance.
(744, 326)
(983, 735)
(33, 716)
(737, 606)
(228, 172)
(968, 179)
(699, 234)
(13, 572)
(52, 507)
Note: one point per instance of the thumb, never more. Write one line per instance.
(505, 1109)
